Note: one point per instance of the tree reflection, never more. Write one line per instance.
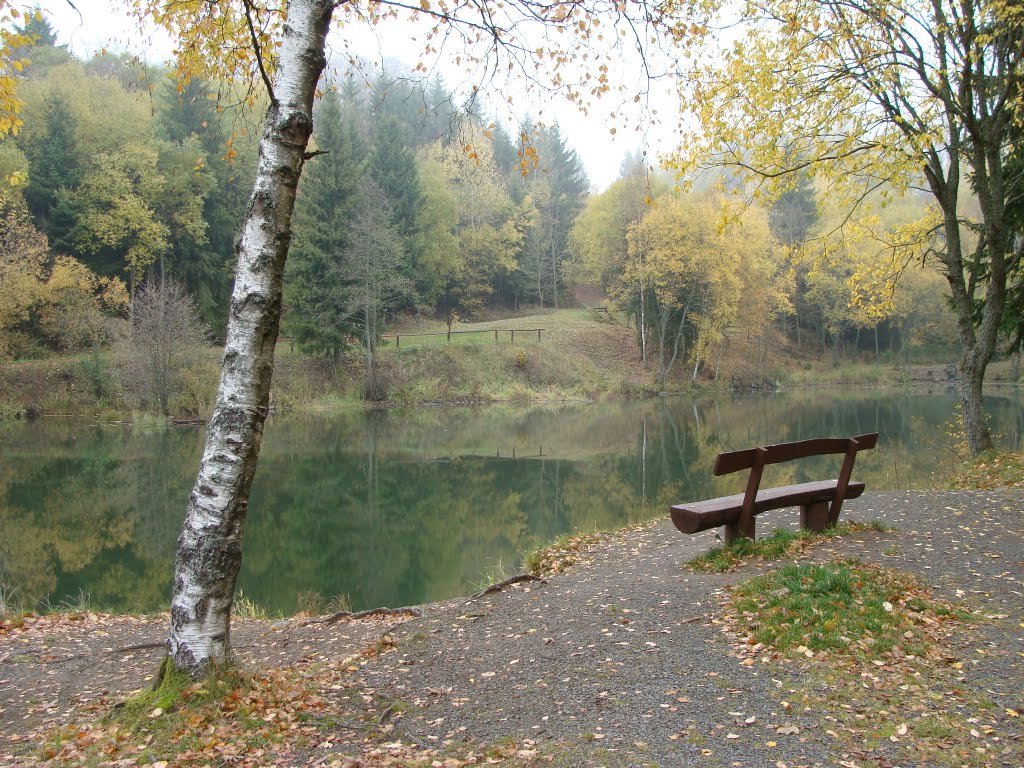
(405, 507)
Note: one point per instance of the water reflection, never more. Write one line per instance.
(396, 508)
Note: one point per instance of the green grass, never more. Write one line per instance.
(10, 605)
(577, 358)
(244, 607)
(494, 574)
(848, 607)
(781, 543)
(876, 653)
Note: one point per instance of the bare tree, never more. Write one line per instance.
(165, 339)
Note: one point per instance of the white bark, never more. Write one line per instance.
(210, 546)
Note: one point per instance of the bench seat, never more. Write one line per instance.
(701, 515)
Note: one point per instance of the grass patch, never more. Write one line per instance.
(876, 661)
(10, 605)
(992, 469)
(781, 543)
(10, 410)
(494, 574)
(245, 607)
(849, 608)
(313, 603)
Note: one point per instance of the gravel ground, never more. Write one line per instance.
(621, 662)
(624, 662)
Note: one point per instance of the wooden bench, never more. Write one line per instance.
(820, 502)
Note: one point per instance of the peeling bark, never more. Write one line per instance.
(210, 546)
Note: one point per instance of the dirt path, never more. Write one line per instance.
(622, 661)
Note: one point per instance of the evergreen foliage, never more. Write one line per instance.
(318, 291)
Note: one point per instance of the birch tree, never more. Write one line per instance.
(875, 93)
(282, 49)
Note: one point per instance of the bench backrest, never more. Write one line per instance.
(734, 461)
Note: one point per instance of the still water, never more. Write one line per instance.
(403, 507)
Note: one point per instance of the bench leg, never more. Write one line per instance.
(734, 531)
(814, 517)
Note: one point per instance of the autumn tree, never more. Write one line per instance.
(211, 160)
(489, 226)
(896, 92)
(703, 278)
(603, 250)
(57, 301)
(23, 255)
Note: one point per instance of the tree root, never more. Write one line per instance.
(506, 583)
(351, 616)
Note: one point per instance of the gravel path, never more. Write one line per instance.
(623, 661)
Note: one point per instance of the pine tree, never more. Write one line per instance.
(394, 170)
(560, 171)
(54, 165)
(319, 301)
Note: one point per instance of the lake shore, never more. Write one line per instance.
(579, 355)
(624, 660)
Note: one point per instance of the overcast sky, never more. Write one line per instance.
(102, 24)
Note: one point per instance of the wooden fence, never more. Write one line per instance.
(511, 331)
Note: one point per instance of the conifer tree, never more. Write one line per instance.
(317, 298)
(394, 171)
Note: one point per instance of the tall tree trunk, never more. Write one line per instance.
(554, 269)
(642, 316)
(972, 375)
(210, 546)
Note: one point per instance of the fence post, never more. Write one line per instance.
(398, 341)
(538, 333)
(513, 336)
(495, 334)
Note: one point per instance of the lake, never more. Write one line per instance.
(409, 506)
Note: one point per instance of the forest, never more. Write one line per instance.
(124, 188)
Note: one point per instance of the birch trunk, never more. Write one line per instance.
(210, 546)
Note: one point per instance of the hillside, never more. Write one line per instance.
(581, 355)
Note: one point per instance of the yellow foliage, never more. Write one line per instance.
(64, 303)
(721, 278)
(10, 63)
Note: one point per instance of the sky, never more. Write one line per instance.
(602, 139)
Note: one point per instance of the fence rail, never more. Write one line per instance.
(511, 331)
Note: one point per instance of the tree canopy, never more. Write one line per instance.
(870, 95)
